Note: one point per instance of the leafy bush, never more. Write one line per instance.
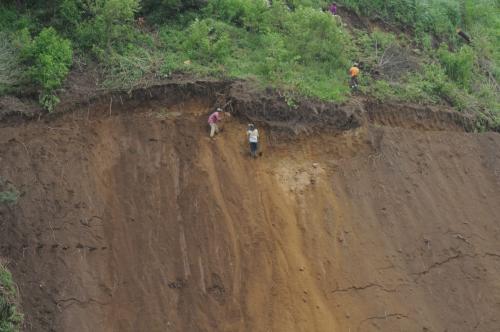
(160, 11)
(315, 37)
(276, 59)
(9, 197)
(49, 58)
(12, 20)
(70, 14)
(207, 41)
(10, 318)
(249, 14)
(8, 193)
(48, 100)
(110, 26)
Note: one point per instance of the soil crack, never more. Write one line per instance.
(384, 317)
(437, 264)
(491, 254)
(73, 300)
(360, 288)
(452, 258)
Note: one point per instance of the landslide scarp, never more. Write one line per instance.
(132, 219)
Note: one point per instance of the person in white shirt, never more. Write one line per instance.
(253, 139)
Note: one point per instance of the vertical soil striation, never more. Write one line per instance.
(139, 222)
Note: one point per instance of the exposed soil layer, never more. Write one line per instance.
(132, 219)
(264, 107)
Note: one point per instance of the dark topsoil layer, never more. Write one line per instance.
(264, 107)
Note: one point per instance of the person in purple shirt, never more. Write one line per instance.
(212, 121)
(333, 8)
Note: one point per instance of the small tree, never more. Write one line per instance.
(49, 58)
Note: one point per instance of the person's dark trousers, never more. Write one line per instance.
(253, 149)
(354, 81)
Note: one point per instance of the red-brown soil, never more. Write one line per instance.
(137, 221)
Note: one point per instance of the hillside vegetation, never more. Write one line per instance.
(410, 51)
(10, 318)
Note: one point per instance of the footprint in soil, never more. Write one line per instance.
(177, 284)
(217, 289)
(54, 247)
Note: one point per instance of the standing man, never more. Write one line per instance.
(253, 139)
(354, 72)
(212, 122)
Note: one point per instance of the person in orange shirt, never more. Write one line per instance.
(354, 72)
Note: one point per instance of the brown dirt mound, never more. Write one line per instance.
(133, 220)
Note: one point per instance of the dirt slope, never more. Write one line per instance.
(138, 222)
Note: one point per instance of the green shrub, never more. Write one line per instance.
(160, 11)
(10, 318)
(249, 14)
(8, 193)
(275, 58)
(48, 100)
(110, 26)
(49, 58)
(70, 15)
(315, 37)
(13, 20)
(207, 41)
(9, 197)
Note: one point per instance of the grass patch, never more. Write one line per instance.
(303, 50)
(10, 67)
(8, 193)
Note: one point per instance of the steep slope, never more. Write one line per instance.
(138, 222)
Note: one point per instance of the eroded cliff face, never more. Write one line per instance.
(139, 222)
